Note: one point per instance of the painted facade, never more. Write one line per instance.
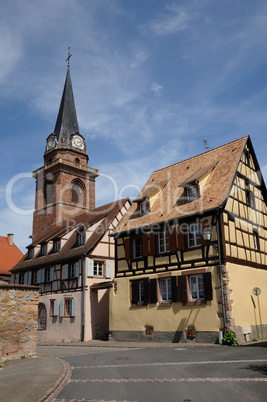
(71, 257)
(191, 250)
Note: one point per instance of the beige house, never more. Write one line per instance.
(71, 256)
(192, 252)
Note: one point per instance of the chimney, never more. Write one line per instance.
(10, 239)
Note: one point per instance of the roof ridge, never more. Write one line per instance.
(211, 150)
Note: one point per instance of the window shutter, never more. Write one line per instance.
(73, 308)
(65, 271)
(174, 289)
(25, 280)
(152, 238)
(207, 286)
(153, 294)
(146, 291)
(61, 308)
(134, 291)
(52, 269)
(127, 245)
(182, 289)
(77, 269)
(55, 308)
(38, 276)
(108, 269)
(172, 239)
(29, 277)
(42, 275)
(145, 245)
(181, 240)
(90, 267)
(17, 278)
(203, 225)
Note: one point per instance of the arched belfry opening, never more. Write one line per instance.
(77, 192)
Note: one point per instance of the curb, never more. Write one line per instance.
(61, 382)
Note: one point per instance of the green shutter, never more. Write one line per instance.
(90, 267)
(77, 269)
(108, 269)
(73, 308)
(61, 308)
(52, 269)
(17, 279)
(25, 280)
(29, 277)
(38, 276)
(55, 308)
(65, 271)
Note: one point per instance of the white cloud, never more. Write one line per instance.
(156, 88)
(176, 20)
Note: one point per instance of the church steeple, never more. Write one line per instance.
(67, 123)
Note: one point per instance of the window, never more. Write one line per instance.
(31, 253)
(144, 208)
(137, 247)
(67, 308)
(163, 242)
(192, 193)
(43, 249)
(139, 291)
(194, 235)
(56, 246)
(247, 158)
(35, 274)
(165, 286)
(41, 322)
(71, 270)
(48, 192)
(76, 193)
(50, 274)
(196, 287)
(68, 303)
(256, 240)
(80, 238)
(22, 278)
(98, 268)
(250, 197)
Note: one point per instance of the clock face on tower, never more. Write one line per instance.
(51, 143)
(77, 142)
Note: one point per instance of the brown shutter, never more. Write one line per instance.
(152, 238)
(153, 296)
(146, 291)
(182, 289)
(181, 240)
(134, 292)
(207, 286)
(145, 245)
(172, 239)
(174, 289)
(203, 225)
(127, 246)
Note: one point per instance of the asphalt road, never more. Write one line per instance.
(199, 374)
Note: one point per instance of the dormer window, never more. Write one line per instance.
(31, 253)
(144, 208)
(56, 246)
(43, 249)
(80, 238)
(192, 193)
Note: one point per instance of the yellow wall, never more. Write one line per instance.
(242, 280)
(175, 317)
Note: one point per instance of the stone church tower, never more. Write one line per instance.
(65, 185)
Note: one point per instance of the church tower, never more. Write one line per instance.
(65, 185)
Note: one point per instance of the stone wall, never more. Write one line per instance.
(18, 320)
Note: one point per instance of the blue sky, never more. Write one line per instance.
(151, 80)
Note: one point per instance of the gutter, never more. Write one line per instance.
(83, 259)
(218, 224)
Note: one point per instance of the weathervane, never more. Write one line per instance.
(68, 58)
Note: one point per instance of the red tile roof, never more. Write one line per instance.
(9, 255)
(221, 162)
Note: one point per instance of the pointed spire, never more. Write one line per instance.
(67, 123)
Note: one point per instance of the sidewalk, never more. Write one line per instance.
(35, 379)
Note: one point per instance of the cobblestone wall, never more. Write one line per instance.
(18, 320)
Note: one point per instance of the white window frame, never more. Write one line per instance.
(165, 287)
(144, 208)
(80, 239)
(163, 242)
(192, 193)
(141, 292)
(137, 248)
(193, 235)
(43, 249)
(98, 268)
(56, 246)
(196, 287)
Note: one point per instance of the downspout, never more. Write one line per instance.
(218, 224)
(83, 295)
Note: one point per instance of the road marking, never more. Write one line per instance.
(146, 380)
(171, 364)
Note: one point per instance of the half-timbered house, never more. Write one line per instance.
(71, 256)
(191, 251)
